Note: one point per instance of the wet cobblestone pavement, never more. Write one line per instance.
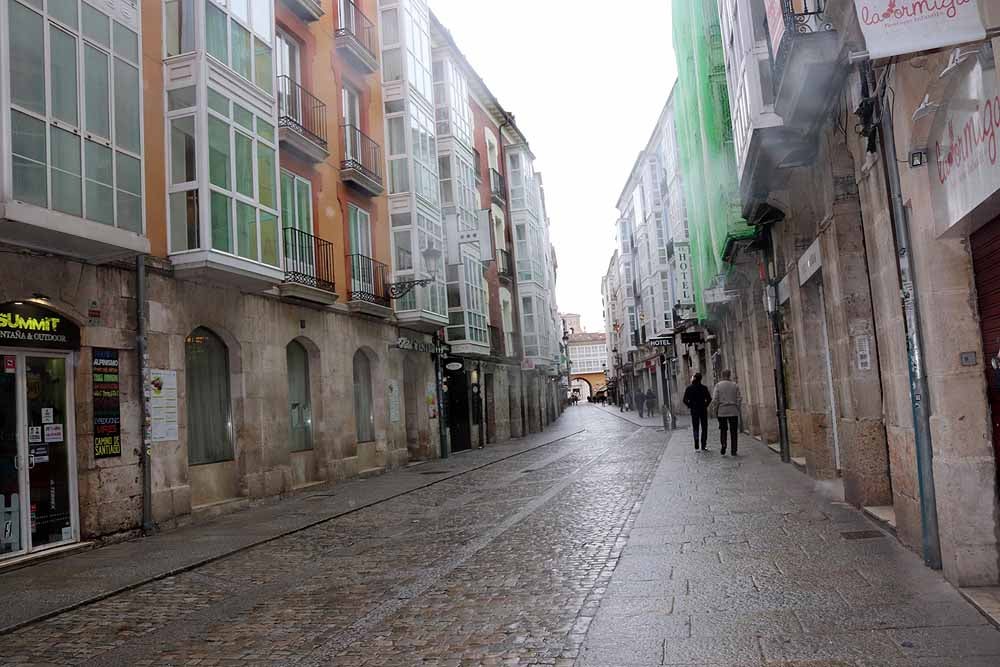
(605, 548)
(497, 566)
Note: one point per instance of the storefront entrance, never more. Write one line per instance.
(37, 454)
(38, 494)
(986, 261)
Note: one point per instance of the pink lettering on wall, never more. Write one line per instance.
(975, 140)
(901, 10)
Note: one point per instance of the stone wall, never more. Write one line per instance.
(256, 330)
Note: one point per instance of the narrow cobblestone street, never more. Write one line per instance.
(608, 547)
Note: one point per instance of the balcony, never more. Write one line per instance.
(362, 162)
(369, 281)
(308, 268)
(806, 62)
(356, 38)
(307, 10)
(505, 264)
(498, 187)
(30, 226)
(301, 121)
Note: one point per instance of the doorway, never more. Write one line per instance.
(38, 495)
(986, 262)
(459, 427)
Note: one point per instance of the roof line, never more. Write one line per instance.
(481, 86)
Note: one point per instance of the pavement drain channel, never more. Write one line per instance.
(481, 563)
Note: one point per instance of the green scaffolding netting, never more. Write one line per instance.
(705, 143)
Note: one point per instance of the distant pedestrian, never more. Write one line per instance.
(727, 407)
(640, 400)
(697, 398)
(650, 401)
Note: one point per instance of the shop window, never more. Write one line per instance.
(364, 415)
(299, 405)
(208, 402)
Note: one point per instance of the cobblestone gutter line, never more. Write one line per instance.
(205, 561)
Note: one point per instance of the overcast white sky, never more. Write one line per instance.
(586, 81)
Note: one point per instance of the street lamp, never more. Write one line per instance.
(399, 289)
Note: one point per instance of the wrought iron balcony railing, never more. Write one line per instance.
(361, 153)
(354, 23)
(308, 259)
(301, 111)
(498, 186)
(369, 280)
(505, 264)
(806, 16)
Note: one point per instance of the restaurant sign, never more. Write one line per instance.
(964, 151)
(895, 27)
(27, 324)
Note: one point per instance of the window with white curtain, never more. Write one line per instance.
(209, 409)
(299, 404)
(364, 414)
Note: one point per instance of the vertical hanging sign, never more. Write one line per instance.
(107, 404)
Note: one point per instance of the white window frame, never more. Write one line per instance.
(49, 23)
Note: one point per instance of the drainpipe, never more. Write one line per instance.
(919, 393)
(438, 382)
(774, 315)
(142, 355)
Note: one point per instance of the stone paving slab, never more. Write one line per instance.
(749, 557)
(48, 587)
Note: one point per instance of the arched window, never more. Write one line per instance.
(364, 415)
(209, 410)
(299, 405)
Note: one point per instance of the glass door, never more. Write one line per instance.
(11, 516)
(48, 420)
(351, 112)
(37, 459)
(287, 66)
(362, 269)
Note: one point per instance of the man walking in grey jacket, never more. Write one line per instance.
(727, 401)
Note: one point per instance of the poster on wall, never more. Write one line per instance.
(163, 404)
(107, 405)
(430, 398)
(895, 27)
(392, 388)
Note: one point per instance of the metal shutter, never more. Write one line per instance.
(986, 260)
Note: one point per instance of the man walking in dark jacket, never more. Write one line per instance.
(697, 398)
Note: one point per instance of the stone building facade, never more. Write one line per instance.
(206, 285)
(868, 267)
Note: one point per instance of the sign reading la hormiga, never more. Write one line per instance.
(895, 27)
(26, 324)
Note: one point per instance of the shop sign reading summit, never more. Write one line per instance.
(26, 324)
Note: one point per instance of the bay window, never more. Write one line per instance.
(239, 38)
(69, 68)
(241, 185)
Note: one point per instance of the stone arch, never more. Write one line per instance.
(215, 480)
(366, 404)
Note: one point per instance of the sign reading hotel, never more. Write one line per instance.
(26, 324)
(895, 27)
(107, 404)
(964, 150)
